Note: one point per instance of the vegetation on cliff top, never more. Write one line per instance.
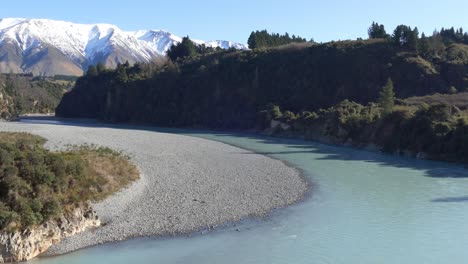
(263, 39)
(37, 185)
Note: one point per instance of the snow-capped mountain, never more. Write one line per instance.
(49, 47)
(161, 41)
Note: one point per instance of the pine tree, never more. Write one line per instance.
(252, 41)
(121, 71)
(424, 47)
(406, 37)
(398, 37)
(412, 37)
(377, 31)
(100, 67)
(92, 71)
(263, 39)
(183, 50)
(387, 98)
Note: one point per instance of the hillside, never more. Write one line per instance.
(22, 94)
(228, 89)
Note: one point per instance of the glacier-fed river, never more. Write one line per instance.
(365, 207)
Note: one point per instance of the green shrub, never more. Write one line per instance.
(51, 209)
(288, 116)
(27, 215)
(452, 90)
(36, 185)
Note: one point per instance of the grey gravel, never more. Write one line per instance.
(187, 184)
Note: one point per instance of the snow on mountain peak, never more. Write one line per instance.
(84, 40)
(9, 22)
(159, 40)
(85, 44)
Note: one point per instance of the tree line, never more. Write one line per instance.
(409, 38)
(264, 39)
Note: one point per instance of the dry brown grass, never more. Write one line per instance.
(110, 172)
(106, 172)
(295, 46)
(407, 109)
(459, 99)
(12, 137)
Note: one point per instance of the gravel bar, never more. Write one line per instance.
(187, 184)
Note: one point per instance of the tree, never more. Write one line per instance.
(263, 39)
(412, 37)
(399, 37)
(436, 43)
(377, 31)
(121, 71)
(406, 37)
(100, 67)
(387, 97)
(184, 49)
(92, 71)
(252, 41)
(424, 47)
(273, 112)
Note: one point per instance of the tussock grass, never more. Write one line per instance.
(108, 171)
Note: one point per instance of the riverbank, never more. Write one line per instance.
(187, 184)
(430, 132)
(25, 245)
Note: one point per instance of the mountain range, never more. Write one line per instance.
(49, 47)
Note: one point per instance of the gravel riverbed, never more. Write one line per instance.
(187, 184)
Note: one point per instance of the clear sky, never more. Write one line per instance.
(235, 19)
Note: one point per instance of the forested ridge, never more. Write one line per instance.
(233, 89)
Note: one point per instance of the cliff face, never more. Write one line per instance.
(225, 90)
(27, 244)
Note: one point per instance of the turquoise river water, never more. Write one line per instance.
(365, 207)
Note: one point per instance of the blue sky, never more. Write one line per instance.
(234, 20)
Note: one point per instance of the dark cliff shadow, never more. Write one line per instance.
(435, 169)
(295, 146)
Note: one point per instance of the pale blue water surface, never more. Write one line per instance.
(364, 208)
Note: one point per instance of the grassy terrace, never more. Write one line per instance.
(37, 185)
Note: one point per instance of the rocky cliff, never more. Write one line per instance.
(27, 244)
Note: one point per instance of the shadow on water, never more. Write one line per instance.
(327, 152)
(451, 199)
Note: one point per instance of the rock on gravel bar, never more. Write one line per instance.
(187, 184)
